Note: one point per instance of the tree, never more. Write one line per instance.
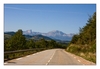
(7, 47)
(17, 42)
(87, 34)
(43, 43)
(74, 39)
(30, 44)
(85, 42)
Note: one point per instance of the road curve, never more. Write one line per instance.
(48, 57)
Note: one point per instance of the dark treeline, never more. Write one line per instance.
(84, 43)
(87, 34)
(19, 42)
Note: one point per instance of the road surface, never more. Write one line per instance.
(49, 57)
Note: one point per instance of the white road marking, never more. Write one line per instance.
(18, 58)
(5, 63)
(28, 56)
(33, 54)
(38, 53)
(74, 57)
(48, 61)
(79, 61)
(50, 58)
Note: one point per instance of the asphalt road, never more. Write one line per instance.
(49, 57)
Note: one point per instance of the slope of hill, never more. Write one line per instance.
(58, 35)
(84, 43)
(38, 37)
(7, 36)
(10, 33)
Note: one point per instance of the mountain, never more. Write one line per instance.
(56, 35)
(9, 33)
(29, 32)
(38, 37)
(28, 36)
(7, 36)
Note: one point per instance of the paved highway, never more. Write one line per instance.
(50, 57)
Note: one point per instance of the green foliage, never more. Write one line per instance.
(74, 39)
(84, 43)
(19, 42)
(7, 36)
(30, 44)
(7, 47)
(87, 34)
(83, 51)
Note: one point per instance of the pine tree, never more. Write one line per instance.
(30, 44)
(17, 42)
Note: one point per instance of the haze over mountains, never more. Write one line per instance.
(52, 34)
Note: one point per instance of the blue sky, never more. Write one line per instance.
(47, 17)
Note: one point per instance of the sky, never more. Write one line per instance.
(67, 18)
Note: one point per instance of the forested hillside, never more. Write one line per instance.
(84, 43)
(19, 42)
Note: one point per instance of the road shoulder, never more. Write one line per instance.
(80, 59)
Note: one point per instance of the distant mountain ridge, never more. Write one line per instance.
(55, 34)
(37, 37)
(29, 32)
(52, 34)
(8, 35)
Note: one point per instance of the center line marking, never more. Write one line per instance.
(50, 58)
